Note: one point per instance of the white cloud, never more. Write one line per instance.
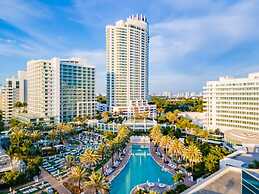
(26, 16)
(184, 46)
(187, 40)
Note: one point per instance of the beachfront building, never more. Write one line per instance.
(9, 96)
(232, 105)
(60, 89)
(127, 56)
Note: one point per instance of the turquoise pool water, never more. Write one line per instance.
(140, 168)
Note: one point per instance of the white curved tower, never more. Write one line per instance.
(127, 53)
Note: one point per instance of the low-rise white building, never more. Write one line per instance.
(137, 108)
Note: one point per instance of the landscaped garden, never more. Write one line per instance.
(84, 158)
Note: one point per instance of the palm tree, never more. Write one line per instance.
(171, 117)
(123, 132)
(69, 161)
(160, 110)
(178, 177)
(176, 148)
(17, 135)
(101, 150)
(155, 134)
(63, 129)
(112, 147)
(67, 129)
(78, 173)
(53, 135)
(98, 183)
(35, 135)
(89, 157)
(165, 142)
(193, 155)
(105, 116)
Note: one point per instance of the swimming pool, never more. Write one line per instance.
(140, 169)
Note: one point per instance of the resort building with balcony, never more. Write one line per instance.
(9, 96)
(232, 105)
(60, 89)
(127, 59)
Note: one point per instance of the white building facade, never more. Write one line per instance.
(127, 59)
(60, 89)
(232, 103)
(9, 96)
(23, 89)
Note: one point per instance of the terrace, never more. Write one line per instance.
(225, 181)
(34, 188)
(240, 158)
(56, 165)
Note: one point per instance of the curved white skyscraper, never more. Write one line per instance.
(127, 53)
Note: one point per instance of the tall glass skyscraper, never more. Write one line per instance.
(127, 58)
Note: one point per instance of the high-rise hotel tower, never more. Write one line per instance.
(127, 56)
(60, 89)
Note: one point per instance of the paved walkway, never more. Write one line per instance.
(160, 161)
(122, 164)
(61, 189)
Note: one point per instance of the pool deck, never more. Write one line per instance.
(54, 182)
(122, 164)
(168, 168)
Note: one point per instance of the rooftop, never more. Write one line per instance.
(247, 158)
(244, 137)
(227, 181)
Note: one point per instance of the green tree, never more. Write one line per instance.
(14, 123)
(211, 163)
(254, 164)
(105, 116)
(98, 183)
(18, 104)
(101, 99)
(69, 161)
(178, 177)
(155, 134)
(78, 173)
(89, 157)
(165, 142)
(12, 178)
(193, 155)
(35, 135)
(171, 117)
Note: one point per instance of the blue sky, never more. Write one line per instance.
(191, 41)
